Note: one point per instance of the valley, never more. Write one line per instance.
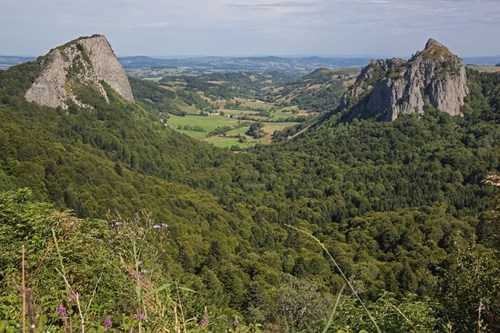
(220, 108)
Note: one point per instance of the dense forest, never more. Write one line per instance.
(111, 219)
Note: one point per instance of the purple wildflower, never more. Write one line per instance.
(108, 323)
(73, 296)
(203, 323)
(140, 316)
(61, 310)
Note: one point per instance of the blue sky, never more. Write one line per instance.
(253, 27)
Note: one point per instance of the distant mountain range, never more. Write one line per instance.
(492, 61)
(298, 66)
(293, 65)
(8, 61)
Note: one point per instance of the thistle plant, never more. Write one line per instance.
(71, 293)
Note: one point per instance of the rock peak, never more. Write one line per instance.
(433, 43)
(432, 77)
(434, 50)
(86, 61)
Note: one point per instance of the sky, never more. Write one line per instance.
(253, 27)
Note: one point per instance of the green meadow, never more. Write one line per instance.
(199, 127)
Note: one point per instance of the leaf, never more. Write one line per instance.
(156, 291)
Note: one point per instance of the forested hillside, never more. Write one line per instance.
(318, 91)
(154, 230)
(230, 85)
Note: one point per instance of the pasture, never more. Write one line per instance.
(237, 119)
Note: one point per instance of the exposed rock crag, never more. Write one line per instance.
(388, 88)
(87, 61)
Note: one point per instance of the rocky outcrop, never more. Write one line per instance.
(389, 88)
(87, 61)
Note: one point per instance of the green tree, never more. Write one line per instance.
(256, 130)
(470, 290)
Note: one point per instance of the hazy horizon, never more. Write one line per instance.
(359, 28)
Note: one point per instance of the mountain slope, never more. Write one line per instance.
(86, 61)
(318, 91)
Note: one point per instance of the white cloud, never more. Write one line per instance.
(151, 25)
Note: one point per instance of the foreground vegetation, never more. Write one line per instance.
(128, 224)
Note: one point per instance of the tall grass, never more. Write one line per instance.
(354, 291)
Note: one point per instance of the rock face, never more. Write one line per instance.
(87, 61)
(388, 88)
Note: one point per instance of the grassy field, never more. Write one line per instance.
(275, 115)
(253, 104)
(210, 123)
(270, 128)
(238, 131)
(233, 118)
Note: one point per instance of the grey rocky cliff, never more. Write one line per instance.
(388, 88)
(88, 61)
